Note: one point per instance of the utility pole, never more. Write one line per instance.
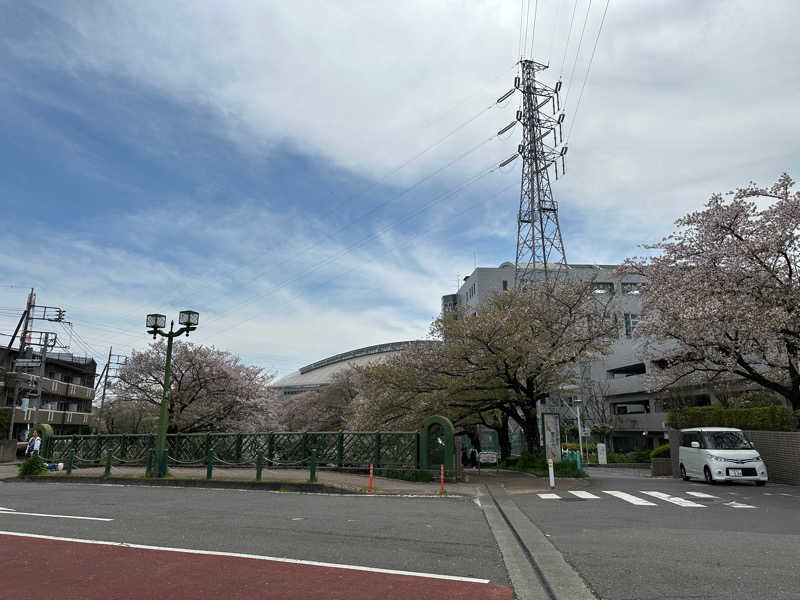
(28, 305)
(105, 380)
(539, 241)
(41, 377)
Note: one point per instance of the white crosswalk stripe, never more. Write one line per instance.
(549, 496)
(630, 498)
(584, 495)
(701, 495)
(674, 500)
(738, 505)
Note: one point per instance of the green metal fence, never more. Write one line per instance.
(397, 449)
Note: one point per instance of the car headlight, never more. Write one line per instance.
(717, 459)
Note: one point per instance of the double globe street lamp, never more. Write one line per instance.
(156, 323)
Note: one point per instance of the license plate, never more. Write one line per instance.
(735, 472)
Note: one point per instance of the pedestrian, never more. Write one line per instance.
(464, 457)
(473, 457)
(34, 444)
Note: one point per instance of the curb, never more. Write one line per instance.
(285, 486)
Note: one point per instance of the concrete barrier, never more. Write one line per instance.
(8, 451)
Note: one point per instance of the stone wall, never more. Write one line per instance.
(779, 449)
(781, 453)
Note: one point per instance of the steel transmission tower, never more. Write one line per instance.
(539, 242)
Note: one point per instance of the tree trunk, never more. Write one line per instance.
(531, 429)
(504, 437)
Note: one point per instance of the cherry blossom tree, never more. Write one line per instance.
(210, 390)
(722, 297)
(326, 409)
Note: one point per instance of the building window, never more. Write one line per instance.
(632, 288)
(631, 321)
(603, 288)
(505, 285)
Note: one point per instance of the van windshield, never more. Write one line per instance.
(726, 440)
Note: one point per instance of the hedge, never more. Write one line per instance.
(762, 418)
(661, 452)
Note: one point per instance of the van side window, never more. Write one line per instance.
(685, 440)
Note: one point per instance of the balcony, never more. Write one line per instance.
(51, 386)
(53, 417)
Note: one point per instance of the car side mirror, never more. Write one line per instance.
(695, 444)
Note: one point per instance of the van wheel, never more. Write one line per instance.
(684, 476)
(707, 473)
(761, 483)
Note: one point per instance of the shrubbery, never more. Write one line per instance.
(763, 418)
(661, 452)
(536, 463)
(35, 465)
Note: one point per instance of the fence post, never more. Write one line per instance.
(259, 464)
(340, 450)
(378, 449)
(162, 467)
(313, 477)
(107, 472)
(149, 471)
(209, 464)
(270, 446)
(305, 445)
(70, 460)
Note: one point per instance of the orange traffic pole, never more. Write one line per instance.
(370, 477)
(441, 474)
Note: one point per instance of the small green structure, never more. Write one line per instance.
(437, 443)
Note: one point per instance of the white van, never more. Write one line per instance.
(720, 454)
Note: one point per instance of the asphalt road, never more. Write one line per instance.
(720, 549)
(444, 536)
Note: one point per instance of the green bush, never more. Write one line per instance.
(639, 456)
(537, 464)
(567, 468)
(661, 452)
(762, 418)
(35, 465)
(613, 457)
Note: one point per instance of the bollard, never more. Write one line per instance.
(441, 476)
(578, 463)
(259, 464)
(550, 472)
(313, 464)
(70, 459)
(107, 472)
(370, 478)
(210, 464)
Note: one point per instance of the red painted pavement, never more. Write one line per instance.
(40, 568)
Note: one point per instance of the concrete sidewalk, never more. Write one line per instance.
(513, 481)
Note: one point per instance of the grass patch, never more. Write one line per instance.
(35, 465)
(408, 475)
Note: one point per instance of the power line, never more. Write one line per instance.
(569, 34)
(575, 62)
(586, 77)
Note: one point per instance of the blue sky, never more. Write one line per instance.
(313, 180)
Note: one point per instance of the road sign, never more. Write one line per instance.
(27, 363)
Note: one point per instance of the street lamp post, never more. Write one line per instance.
(155, 325)
(577, 402)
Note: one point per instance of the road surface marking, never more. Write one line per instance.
(585, 495)
(3, 508)
(782, 494)
(701, 495)
(630, 498)
(13, 512)
(549, 496)
(241, 555)
(738, 505)
(674, 499)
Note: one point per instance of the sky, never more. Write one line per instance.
(313, 177)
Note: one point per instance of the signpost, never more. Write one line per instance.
(601, 454)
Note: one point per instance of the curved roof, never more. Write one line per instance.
(322, 371)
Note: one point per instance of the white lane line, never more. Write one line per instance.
(53, 516)
(240, 555)
(630, 498)
(739, 505)
(9, 509)
(549, 496)
(701, 495)
(674, 499)
(584, 495)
